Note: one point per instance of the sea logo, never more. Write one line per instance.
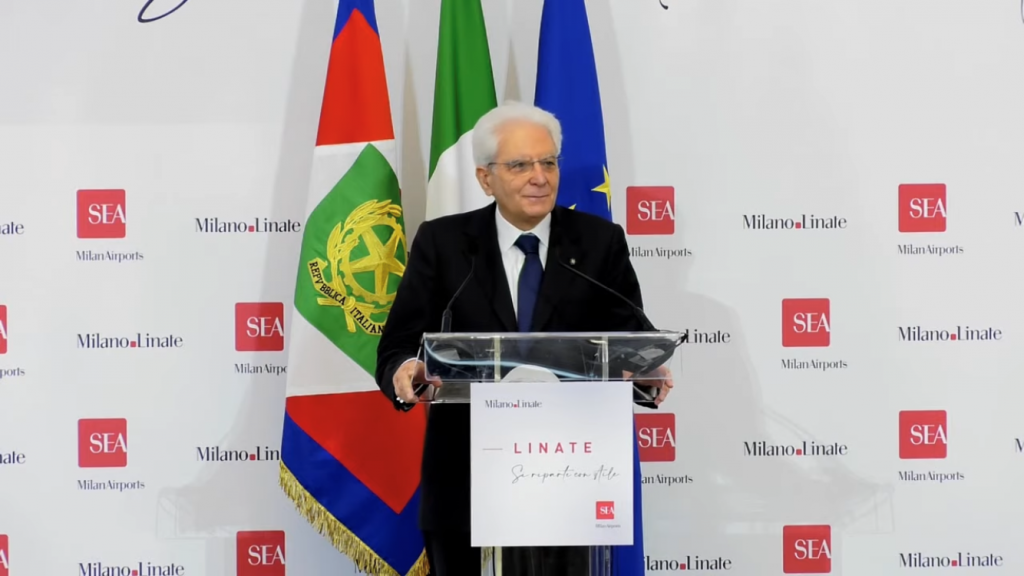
(102, 443)
(5, 555)
(656, 436)
(605, 510)
(922, 208)
(259, 326)
(102, 214)
(806, 322)
(807, 549)
(260, 553)
(923, 435)
(650, 210)
(3, 329)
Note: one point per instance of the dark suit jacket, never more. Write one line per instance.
(439, 261)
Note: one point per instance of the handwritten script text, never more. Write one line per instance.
(519, 472)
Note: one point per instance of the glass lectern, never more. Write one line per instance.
(633, 358)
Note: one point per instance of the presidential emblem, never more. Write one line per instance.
(370, 241)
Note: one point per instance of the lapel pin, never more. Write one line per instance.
(572, 261)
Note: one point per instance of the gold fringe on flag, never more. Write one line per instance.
(366, 560)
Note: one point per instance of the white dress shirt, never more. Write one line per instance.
(512, 257)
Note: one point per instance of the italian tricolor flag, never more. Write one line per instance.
(463, 92)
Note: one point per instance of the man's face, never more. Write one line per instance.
(524, 179)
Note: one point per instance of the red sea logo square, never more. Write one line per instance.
(102, 443)
(806, 323)
(260, 553)
(3, 329)
(922, 207)
(605, 510)
(5, 556)
(101, 214)
(922, 434)
(259, 327)
(806, 549)
(650, 210)
(656, 434)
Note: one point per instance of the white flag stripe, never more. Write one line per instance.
(316, 366)
(331, 163)
(454, 189)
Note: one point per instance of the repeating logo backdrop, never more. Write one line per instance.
(824, 196)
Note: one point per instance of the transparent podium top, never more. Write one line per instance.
(568, 356)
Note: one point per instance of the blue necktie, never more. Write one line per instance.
(529, 280)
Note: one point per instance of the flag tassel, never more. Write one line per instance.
(365, 559)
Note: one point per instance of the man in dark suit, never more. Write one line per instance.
(518, 285)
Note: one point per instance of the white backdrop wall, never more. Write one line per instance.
(754, 113)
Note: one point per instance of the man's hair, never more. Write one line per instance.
(487, 131)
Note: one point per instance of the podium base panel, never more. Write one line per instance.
(554, 561)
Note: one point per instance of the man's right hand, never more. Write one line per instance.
(408, 376)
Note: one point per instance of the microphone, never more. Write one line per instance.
(638, 362)
(446, 316)
(637, 311)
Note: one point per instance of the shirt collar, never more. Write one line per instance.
(508, 234)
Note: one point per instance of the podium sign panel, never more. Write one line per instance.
(552, 464)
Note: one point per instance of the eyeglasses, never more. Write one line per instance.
(549, 164)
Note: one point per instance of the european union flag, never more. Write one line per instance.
(567, 87)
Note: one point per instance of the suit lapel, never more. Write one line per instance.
(492, 278)
(562, 247)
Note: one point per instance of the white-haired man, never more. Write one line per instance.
(511, 247)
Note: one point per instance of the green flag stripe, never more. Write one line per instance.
(352, 258)
(464, 80)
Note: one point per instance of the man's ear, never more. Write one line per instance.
(483, 176)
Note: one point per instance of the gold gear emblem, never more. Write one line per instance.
(336, 279)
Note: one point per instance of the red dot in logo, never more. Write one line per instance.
(252, 228)
(252, 457)
(955, 562)
(799, 451)
(682, 566)
(798, 225)
(952, 336)
(135, 573)
(133, 345)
